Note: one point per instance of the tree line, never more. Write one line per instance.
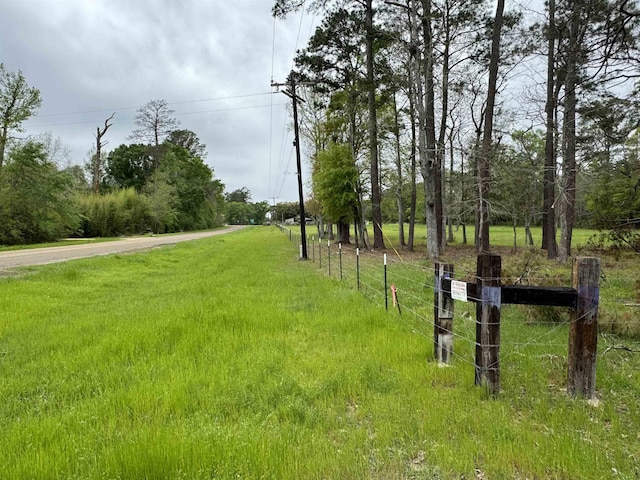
(410, 117)
(159, 182)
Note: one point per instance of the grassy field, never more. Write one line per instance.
(501, 236)
(227, 358)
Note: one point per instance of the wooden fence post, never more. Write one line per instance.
(443, 315)
(488, 322)
(583, 330)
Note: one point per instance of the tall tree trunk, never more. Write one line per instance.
(97, 161)
(4, 136)
(476, 175)
(463, 194)
(527, 231)
(548, 212)
(356, 225)
(484, 169)
(474, 167)
(412, 207)
(450, 199)
(399, 185)
(359, 214)
(429, 165)
(569, 157)
(320, 223)
(444, 115)
(416, 65)
(376, 193)
(343, 231)
(364, 234)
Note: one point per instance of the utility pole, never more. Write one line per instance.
(291, 93)
(274, 210)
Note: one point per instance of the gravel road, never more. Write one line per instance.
(40, 256)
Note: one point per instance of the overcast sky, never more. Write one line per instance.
(211, 60)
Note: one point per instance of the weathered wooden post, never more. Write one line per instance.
(488, 321)
(443, 315)
(583, 330)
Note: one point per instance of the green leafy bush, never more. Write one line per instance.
(122, 212)
(36, 201)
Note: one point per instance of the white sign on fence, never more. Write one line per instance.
(459, 290)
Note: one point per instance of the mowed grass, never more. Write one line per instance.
(228, 358)
(60, 243)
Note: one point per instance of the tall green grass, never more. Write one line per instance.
(228, 358)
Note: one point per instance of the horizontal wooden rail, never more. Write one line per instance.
(550, 296)
(525, 294)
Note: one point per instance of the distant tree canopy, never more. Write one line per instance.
(284, 210)
(240, 211)
(129, 166)
(614, 197)
(36, 199)
(178, 185)
(18, 102)
(335, 180)
(161, 183)
(188, 140)
(241, 195)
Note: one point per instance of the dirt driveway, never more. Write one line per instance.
(40, 256)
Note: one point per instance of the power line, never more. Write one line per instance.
(282, 157)
(273, 55)
(111, 109)
(177, 114)
(293, 62)
(284, 173)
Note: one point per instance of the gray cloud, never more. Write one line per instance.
(90, 58)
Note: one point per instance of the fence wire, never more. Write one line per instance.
(415, 288)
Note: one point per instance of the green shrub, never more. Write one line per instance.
(122, 212)
(36, 204)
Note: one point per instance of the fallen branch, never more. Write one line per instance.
(620, 347)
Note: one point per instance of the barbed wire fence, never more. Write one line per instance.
(408, 289)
